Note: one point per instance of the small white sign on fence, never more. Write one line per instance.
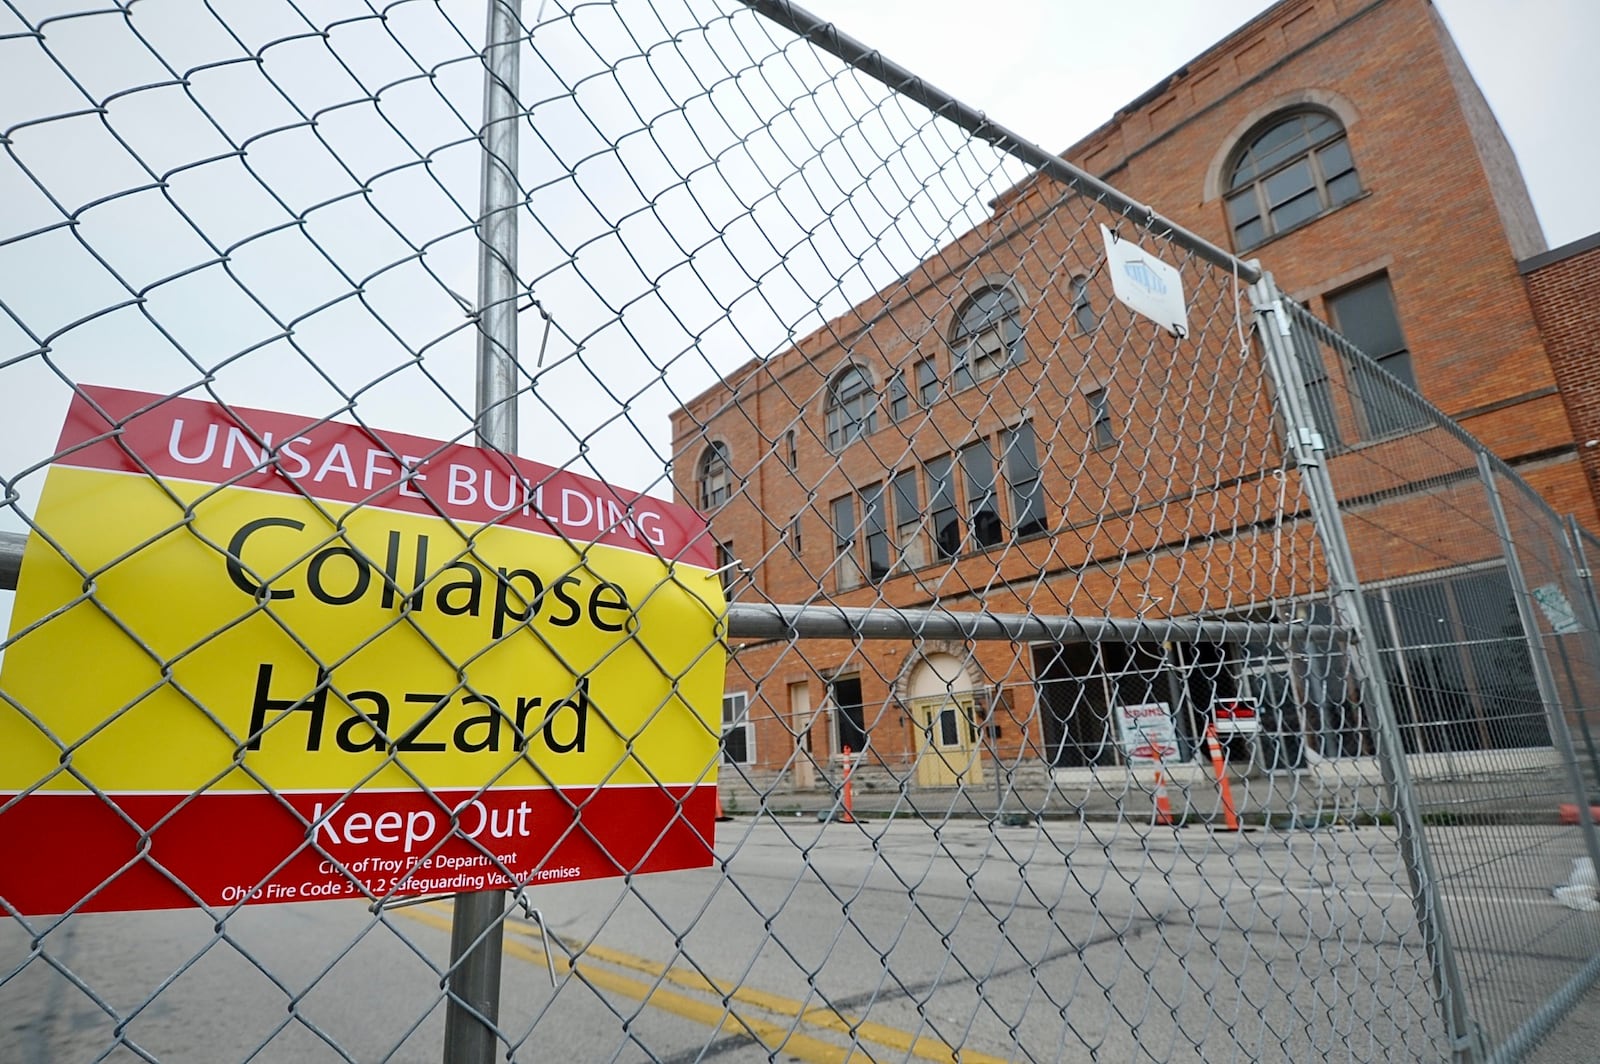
(1147, 732)
(1145, 283)
(1557, 609)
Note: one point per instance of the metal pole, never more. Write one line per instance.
(1542, 675)
(1580, 561)
(478, 921)
(771, 620)
(11, 547)
(1309, 451)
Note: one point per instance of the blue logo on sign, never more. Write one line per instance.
(1145, 277)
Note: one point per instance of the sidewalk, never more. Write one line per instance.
(1323, 795)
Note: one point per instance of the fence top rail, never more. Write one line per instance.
(871, 62)
(776, 621)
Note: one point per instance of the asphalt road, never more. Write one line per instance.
(880, 941)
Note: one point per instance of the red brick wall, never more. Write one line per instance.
(1566, 300)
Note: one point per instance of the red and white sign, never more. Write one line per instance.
(257, 658)
(1147, 732)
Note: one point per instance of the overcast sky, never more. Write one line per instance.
(1079, 61)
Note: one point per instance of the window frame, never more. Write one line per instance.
(907, 518)
(716, 451)
(985, 529)
(727, 564)
(853, 416)
(986, 335)
(1102, 433)
(848, 572)
(942, 500)
(1383, 411)
(875, 542)
(739, 720)
(1085, 319)
(928, 384)
(1329, 137)
(899, 398)
(1024, 475)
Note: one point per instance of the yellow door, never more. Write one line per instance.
(947, 746)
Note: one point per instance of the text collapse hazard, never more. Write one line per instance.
(412, 671)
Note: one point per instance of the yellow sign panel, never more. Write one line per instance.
(259, 631)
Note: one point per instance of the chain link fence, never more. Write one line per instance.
(673, 535)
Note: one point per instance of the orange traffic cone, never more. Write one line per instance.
(721, 816)
(1163, 805)
(1218, 767)
(849, 798)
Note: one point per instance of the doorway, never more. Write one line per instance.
(849, 716)
(944, 714)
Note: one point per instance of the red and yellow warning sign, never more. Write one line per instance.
(262, 658)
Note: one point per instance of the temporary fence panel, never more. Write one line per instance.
(1485, 635)
(491, 460)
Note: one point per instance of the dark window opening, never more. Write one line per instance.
(737, 745)
(850, 722)
(1083, 312)
(927, 382)
(1365, 315)
(899, 398)
(1102, 434)
(1021, 451)
(983, 510)
(875, 527)
(846, 565)
(907, 518)
(946, 523)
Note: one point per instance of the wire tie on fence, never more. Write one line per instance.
(544, 935)
(401, 903)
(715, 574)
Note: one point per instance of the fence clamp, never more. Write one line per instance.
(1310, 447)
(1281, 318)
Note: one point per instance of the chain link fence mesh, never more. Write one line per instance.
(1012, 571)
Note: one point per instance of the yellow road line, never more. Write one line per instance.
(922, 1047)
(770, 1036)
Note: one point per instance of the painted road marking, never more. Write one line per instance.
(771, 1036)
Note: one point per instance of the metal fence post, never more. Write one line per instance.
(478, 920)
(1579, 558)
(1306, 444)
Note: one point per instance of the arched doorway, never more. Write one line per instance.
(944, 706)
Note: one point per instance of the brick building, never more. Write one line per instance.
(1565, 285)
(961, 439)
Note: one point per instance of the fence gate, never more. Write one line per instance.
(644, 531)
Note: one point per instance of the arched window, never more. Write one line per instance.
(1290, 170)
(987, 336)
(716, 480)
(852, 407)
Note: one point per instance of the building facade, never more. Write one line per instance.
(965, 439)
